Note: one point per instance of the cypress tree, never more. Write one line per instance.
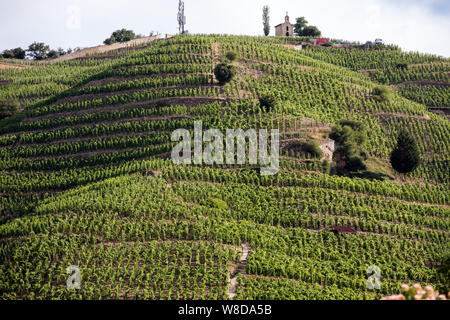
(406, 156)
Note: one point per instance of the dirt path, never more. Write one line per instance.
(12, 66)
(105, 48)
(216, 57)
(239, 269)
(420, 83)
(385, 115)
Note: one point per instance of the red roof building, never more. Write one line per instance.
(319, 41)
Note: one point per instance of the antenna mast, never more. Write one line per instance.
(181, 17)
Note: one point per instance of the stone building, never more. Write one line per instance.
(285, 29)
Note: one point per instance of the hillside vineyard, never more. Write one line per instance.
(86, 178)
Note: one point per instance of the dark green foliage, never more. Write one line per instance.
(382, 94)
(299, 25)
(355, 164)
(311, 31)
(349, 131)
(267, 102)
(326, 166)
(17, 53)
(351, 135)
(312, 147)
(8, 107)
(8, 54)
(52, 54)
(444, 271)
(231, 55)
(403, 66)
(122, 35)
(38, 50)
(224, 72)
(302, 29)
(62, 52)
(406, 156)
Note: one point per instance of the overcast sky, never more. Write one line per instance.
(415, 25)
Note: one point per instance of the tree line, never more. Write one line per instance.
(36, 51)
(41, 51)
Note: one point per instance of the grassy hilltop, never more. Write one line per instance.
(86, 177)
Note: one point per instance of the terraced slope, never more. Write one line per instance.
(420, 78)
(86, 180)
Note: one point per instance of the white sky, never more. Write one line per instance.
(415, 25)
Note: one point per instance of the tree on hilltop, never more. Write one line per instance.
(311, 31)
(302, 29)
(17, 53)
(38, 50)
(122, 35)
(299, 25)
(266, 20)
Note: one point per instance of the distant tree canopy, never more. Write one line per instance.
(17, 53)
(266, 20)
(122, 35)
(300, 24)
(302, 29)
(311, 31)
(8, 54)
(406, 156)
(52, 54)
(38, 50)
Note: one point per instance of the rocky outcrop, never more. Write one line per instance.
(328, 148)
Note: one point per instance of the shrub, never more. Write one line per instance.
(231, 55)
(382, 94)
(349, 131)
(351, 135)
(268, 102)
(326, 166)
(8, 107)
(312, 147)
(355, 164)
(406, 156)
(224, 73)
